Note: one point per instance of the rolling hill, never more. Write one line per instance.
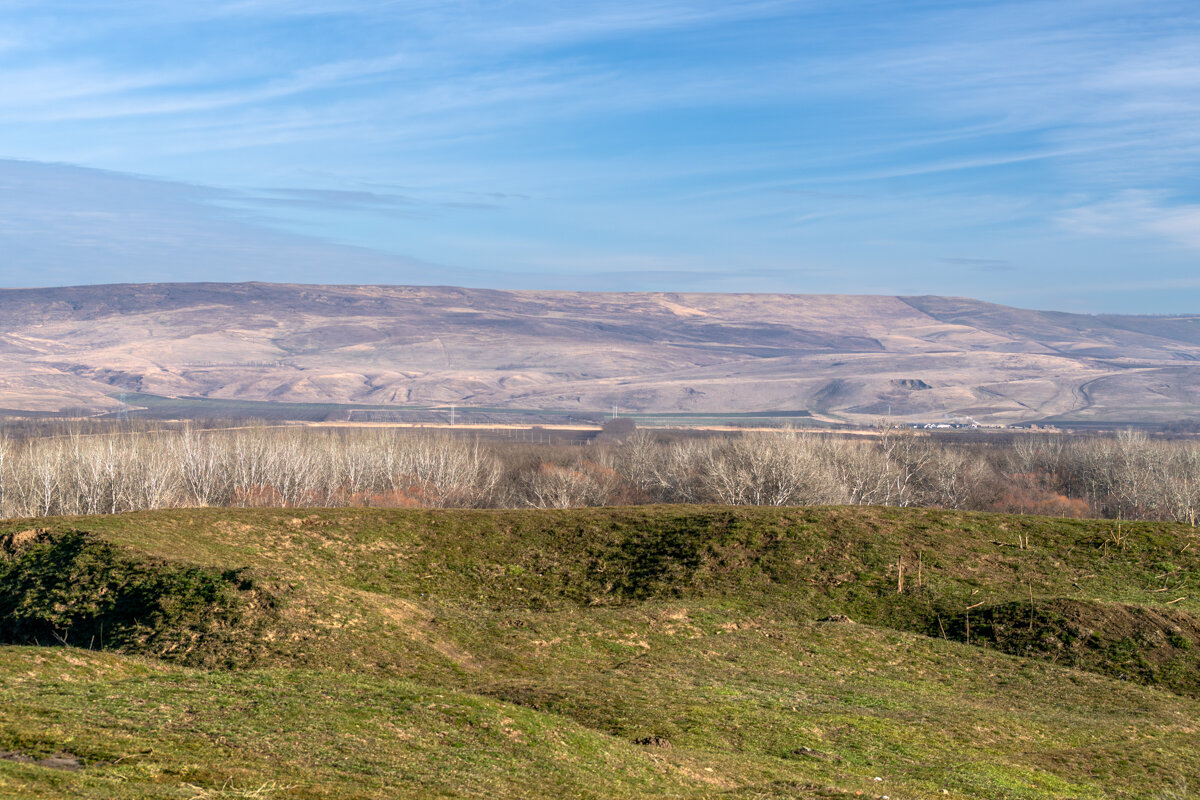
(852, 358)
(685, 652)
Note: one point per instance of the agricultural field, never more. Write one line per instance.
(666, 651)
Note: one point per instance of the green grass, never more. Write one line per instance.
(199, 407)
(381, 653)
(156, 406)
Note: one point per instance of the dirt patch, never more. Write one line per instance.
(63, 761)
(416, 623)
(13, 542)
(1153, 646)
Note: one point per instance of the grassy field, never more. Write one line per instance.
(607, 653)
(149, 406)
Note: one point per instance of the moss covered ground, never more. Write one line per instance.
(630, 652)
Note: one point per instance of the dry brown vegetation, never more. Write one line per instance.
(1127, 476)
(847, 358)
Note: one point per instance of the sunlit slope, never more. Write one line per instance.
(600, 653)
(850, 357)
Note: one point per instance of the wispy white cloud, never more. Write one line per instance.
(134, 229)
(981, 264)
(1137, 213)
(650, 134)
(524, 25)
(27, 89)
(87, 92)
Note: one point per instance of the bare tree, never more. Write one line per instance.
(89, 471)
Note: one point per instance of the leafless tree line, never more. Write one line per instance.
(896, 468)
(1127, 476)
(98, 474)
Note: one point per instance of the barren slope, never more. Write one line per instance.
(853, 357)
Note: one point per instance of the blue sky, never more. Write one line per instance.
(1041, 154)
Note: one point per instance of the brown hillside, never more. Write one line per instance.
(853, 357)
